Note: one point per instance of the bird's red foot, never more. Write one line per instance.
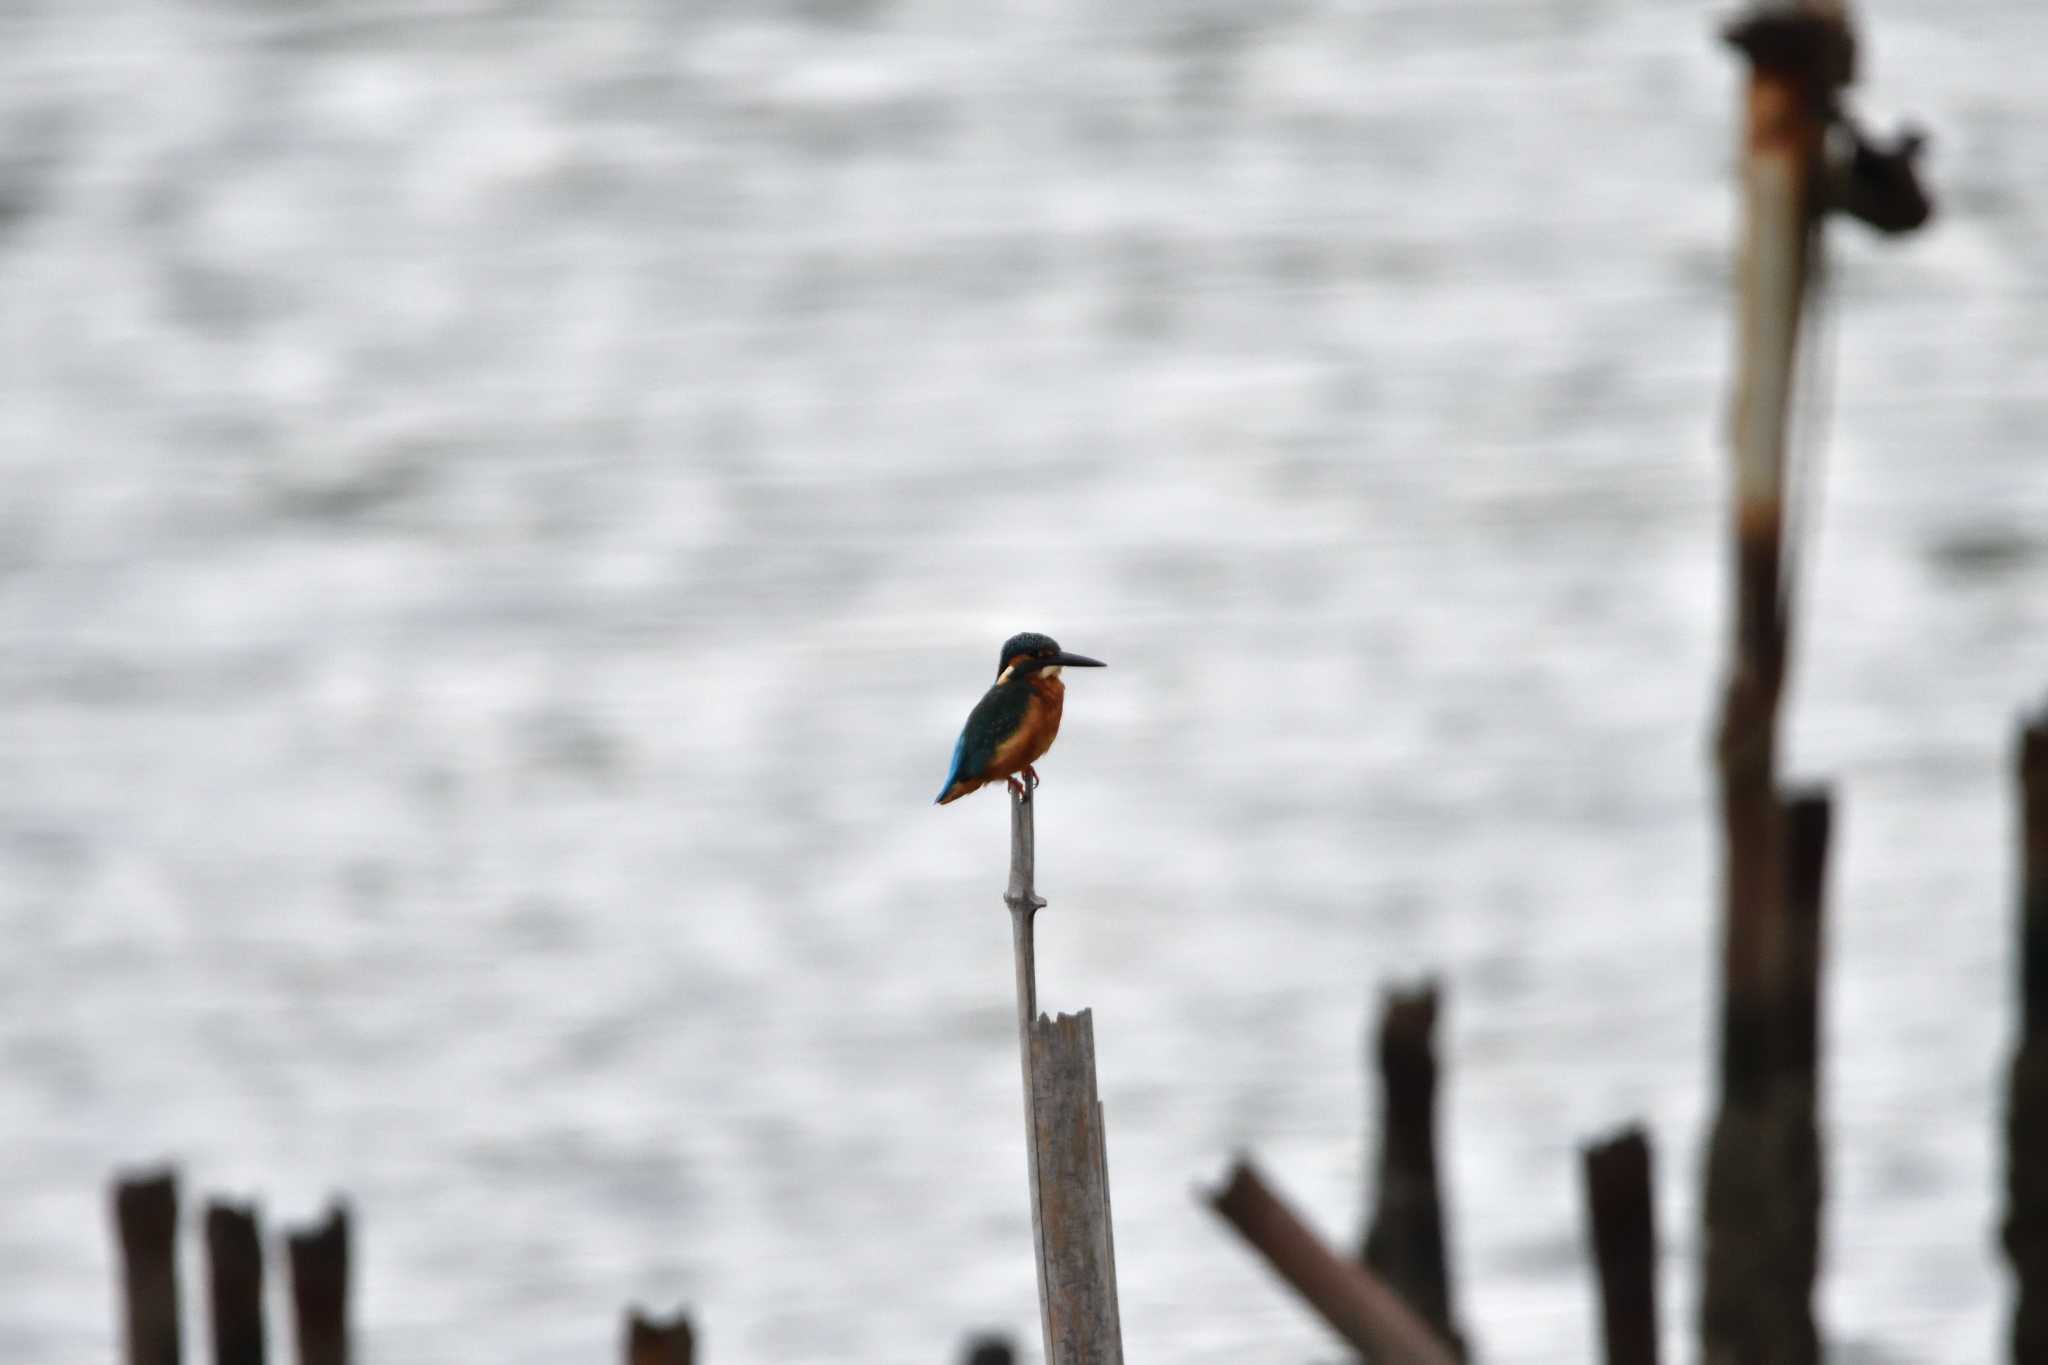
(1016, 787)
(1030, 778)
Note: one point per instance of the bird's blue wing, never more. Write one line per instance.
(994, 719)
(952, 769)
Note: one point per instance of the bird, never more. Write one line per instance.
(1013, 725)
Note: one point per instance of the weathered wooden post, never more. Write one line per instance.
(319, 1266)
(1349, 1297)
(146, 1218)
(1064, 1144)
(1622, 1211)
(2026, 1122)
(1405, 1240)
(234, 1261)
(652, 1340)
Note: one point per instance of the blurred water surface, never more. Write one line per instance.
(507, 505)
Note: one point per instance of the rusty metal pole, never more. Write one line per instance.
(1798, 58)
(1405, 1242)
(1806, 822)
(2026, 1123)
(146, 1219)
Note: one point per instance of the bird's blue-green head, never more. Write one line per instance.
(1030, 651)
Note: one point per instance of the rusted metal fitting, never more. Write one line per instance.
(1796, 43)
(1877, 183)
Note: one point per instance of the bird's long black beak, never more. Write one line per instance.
(1066, 660)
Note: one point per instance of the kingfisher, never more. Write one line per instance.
(1014, 724)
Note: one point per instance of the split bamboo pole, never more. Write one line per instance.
(1064, 1141)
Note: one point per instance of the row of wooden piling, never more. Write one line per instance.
(1395, 1303)
(1394, 1300)
(146, 1219)
(316, 1256)
(1802, 159)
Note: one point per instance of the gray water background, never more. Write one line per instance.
(506, 506)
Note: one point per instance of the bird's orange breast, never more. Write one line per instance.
(1031, 739)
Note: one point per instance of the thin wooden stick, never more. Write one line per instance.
(652, 1340)
(2026, 1123)
(1620, 1206)
(146, 1217)
(1354, 1301)
(234, 1259)
(1405, 1243)
(319, 1266)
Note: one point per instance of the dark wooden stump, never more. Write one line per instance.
(1405, 1241)
(2026, 1120)
(319, 1266)
(146, 1218)
(658, 1341)
(1622, 1210)
(234, 1260)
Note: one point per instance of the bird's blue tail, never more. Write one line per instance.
(952, 769)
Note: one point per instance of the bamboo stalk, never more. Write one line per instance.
(234, 1257)
(1064, 1143)
(1621, 1207)
(146, 1218)
(1405, 1243)
(320, 1270)
(1354, 1301)
(652, 1340)
(2026, 1124)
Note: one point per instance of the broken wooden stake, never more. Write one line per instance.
(146, 1218)
(1405, 1242)
(319, 1269)
(234, 1270)
(1353, 1300)
(1621, 1207)
(653, 1340)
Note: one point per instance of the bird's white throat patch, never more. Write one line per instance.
(1050, 672)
